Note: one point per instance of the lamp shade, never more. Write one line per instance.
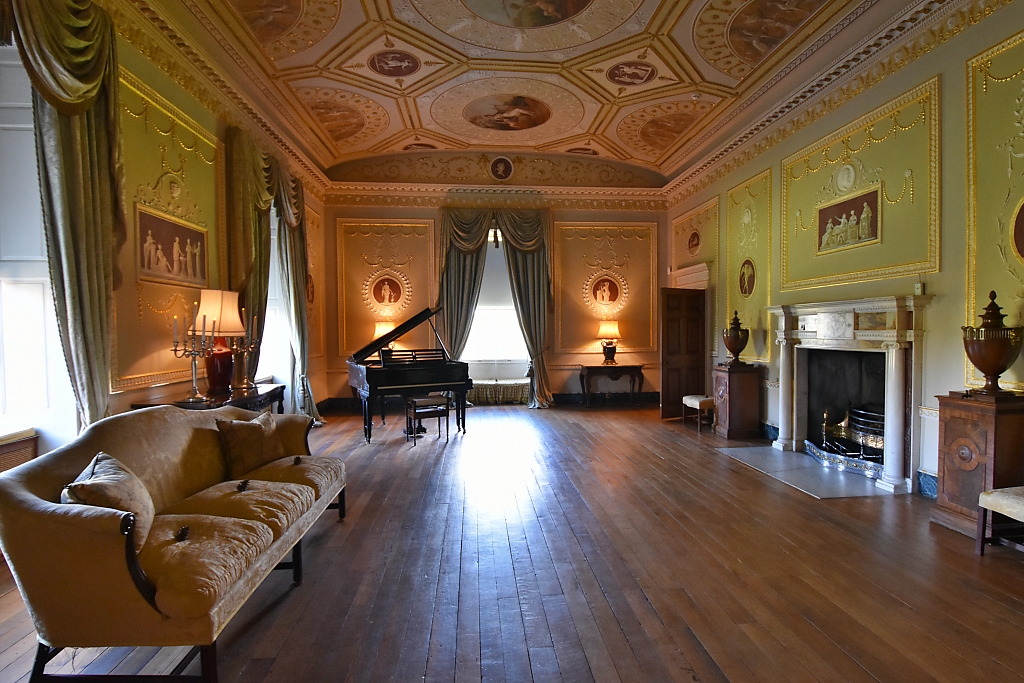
(609, 330)
(221, 306)
(382, 327)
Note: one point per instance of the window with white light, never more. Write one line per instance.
(495, 335)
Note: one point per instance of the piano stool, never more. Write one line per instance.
(701, 404)
(417, 408)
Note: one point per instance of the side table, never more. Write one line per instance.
(265, 395)
(613, 372)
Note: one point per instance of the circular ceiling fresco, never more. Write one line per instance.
(538, 25)
(652, 129)
(497, 110)
(506, 112)
(526, 13)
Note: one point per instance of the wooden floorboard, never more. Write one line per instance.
(599, 545)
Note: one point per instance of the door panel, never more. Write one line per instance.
(683, 360)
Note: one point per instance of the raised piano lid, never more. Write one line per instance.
(405, 327)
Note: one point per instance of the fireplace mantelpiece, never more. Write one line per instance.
(889, 325)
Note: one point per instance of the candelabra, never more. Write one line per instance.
(194, 347)
(241, 347)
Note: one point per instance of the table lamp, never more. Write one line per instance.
(221, 306)
(608, 332)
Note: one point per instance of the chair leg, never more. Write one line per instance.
(979, 538)
(341, 505)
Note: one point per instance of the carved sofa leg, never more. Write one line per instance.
(340, 505)
(207, 658)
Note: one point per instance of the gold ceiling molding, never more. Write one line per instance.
(436, 197)
(137, 23)
(474, 169)
(857, 73)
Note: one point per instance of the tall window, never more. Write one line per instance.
(35, 390)
(496, 349)
(276, 347)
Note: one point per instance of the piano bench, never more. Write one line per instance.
(417, 408)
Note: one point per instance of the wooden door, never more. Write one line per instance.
(683, 360)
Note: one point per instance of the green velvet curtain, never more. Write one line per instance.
(290, 202)
(249, 176)
(463, 237)
(68, 48)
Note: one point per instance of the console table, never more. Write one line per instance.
(613, 372)
(265, 395)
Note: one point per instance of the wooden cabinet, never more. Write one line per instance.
(737, 400)
(981, 447)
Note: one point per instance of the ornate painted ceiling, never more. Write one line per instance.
(639, 90)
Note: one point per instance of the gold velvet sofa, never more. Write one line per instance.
(211, 544)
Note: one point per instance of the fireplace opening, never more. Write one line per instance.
(846, 407)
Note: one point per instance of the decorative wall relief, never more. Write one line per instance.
(995, 165)
(386, 276)
(695, 235)
(175, 244)
(748, 265)
(838, 193)
(604, 271)
(315, 286)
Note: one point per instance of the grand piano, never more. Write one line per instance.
(407, 372)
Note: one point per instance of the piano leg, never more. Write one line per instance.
(381, 411)
(367, 419)
(460, 411)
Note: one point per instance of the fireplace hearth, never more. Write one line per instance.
(860, 362)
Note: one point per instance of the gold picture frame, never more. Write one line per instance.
(186, 258)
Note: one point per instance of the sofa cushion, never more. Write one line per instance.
(105, 482)
(249, 444)
(192, 574)
(276, 505)
(319, 471)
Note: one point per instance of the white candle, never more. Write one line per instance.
(245, 335)
(203, 339)
(175, 330)
(195, 318)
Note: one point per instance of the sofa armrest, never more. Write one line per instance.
(294, 431)
(69, 562)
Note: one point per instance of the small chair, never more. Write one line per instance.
(1008, 502)
(419, 407)
(699, 404)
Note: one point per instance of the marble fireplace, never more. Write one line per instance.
(891, 327)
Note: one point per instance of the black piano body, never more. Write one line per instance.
(407, 372)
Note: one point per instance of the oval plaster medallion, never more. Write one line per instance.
(747, 278)
(605, 292)
(632, 73)
(394, 63)
(387, 292)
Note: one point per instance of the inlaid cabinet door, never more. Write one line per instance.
(964, 461)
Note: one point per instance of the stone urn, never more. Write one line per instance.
(992, 347)
(735, 338)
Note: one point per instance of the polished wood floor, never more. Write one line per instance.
(600, 545)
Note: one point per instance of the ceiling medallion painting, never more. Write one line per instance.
(390, 61)
(284, 27)
(491, 110)
(538, 25)
(734, 37)
(652, 130)
(634, 72)
(507, 112)
(345, 115)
